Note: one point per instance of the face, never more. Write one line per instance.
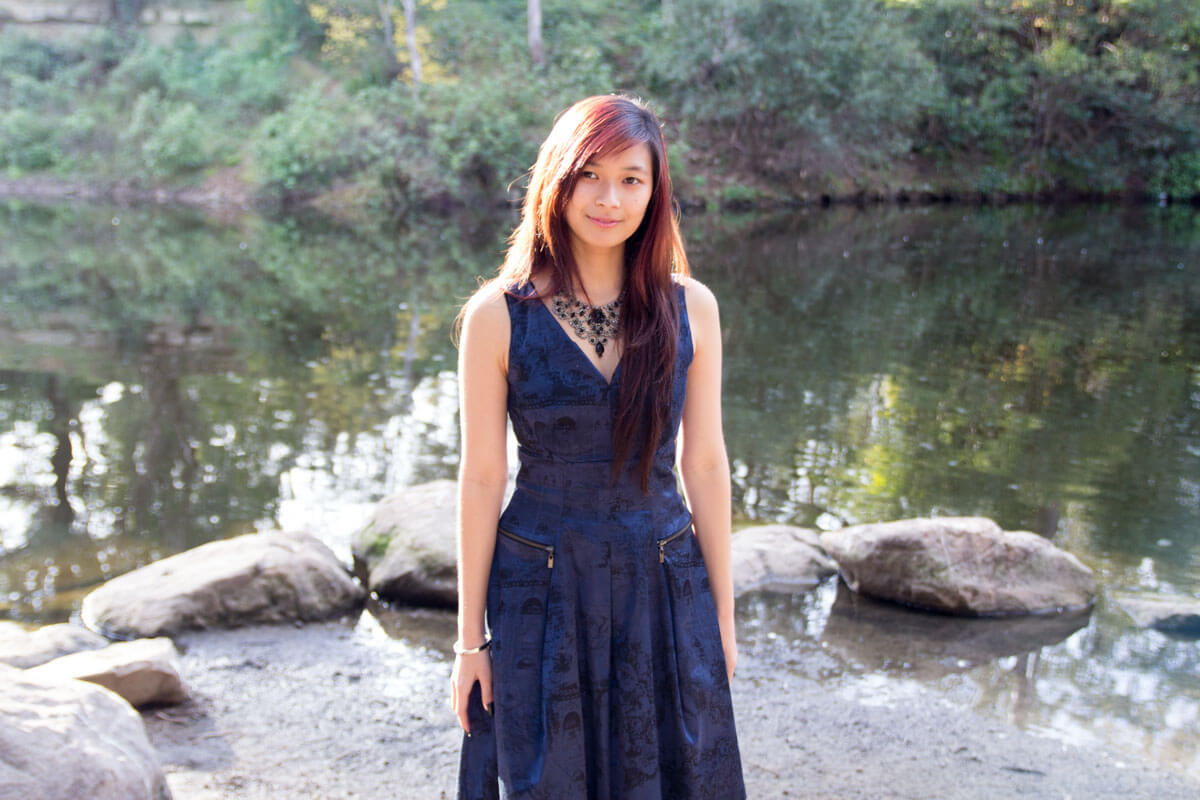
(610, 199)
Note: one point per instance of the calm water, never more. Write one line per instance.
(167, 380)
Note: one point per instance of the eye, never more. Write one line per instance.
(633, 180)
(587, 173)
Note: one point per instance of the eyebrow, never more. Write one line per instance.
(627, 168)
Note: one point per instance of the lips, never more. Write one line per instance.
(604, 223)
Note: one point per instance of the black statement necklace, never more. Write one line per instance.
(596, 324)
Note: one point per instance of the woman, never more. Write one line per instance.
(608, 599)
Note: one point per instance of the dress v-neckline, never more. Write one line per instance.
(608, 382)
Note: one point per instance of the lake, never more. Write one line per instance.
(168, 379)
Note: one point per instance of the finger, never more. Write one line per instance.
(454, 695)
(462, 710)
(485, 691)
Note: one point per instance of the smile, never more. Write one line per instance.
(604, 223)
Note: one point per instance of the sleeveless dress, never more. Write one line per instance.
(608, 671)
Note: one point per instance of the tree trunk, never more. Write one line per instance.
(389, 38)
(410, 34)
(534, 13)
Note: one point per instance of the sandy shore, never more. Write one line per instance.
(343, 710)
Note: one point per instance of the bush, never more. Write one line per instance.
(180, 143)
(307, 144)
(27, 140)
(1080, 96)
(794, 91)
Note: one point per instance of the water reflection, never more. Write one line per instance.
(167, 381)
(883, 636)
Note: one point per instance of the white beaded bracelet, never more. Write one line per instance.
(458, 648)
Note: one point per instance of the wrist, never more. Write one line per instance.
(461, 648)
(472, 633)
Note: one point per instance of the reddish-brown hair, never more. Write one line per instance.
(595, 127)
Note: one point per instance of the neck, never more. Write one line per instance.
(601, 271)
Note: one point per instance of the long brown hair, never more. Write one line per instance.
(595, 127)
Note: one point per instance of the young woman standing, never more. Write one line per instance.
(596, 628)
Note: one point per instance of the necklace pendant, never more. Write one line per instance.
(600, 349)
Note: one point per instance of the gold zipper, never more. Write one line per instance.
(549, 548)
(662, 543)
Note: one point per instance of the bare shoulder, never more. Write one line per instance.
(485, 328)
(486, 311)
(701, 302)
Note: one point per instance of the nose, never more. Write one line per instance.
(608, 195)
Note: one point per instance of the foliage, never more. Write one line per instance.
(789, 90)
(307, 144)
(1064, 95)
(171, 137)
(763, 99)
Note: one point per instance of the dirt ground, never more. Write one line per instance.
(344, 710)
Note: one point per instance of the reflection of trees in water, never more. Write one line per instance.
(1089, 672)
(64, 415)
(238, 361)
(1018, 363)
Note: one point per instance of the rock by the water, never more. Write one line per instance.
(1166, 613)
(143, 671)
(24, 648)
(960, 565)
(778, 558)
(406, 551)
(65, 739)
(258, 578)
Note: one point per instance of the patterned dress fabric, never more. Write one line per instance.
(608, 671)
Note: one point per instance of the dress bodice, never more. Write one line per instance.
(562, 411)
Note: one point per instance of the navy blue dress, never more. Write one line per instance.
(608, 671)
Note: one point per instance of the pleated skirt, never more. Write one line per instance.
(609, 676)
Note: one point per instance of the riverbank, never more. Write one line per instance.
(225, 195)
(343, 710)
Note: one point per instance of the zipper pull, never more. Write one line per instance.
(662, 557)
(550, 560)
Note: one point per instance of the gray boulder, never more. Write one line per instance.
(406, 551)
(143, 671)
(1166, 613)
(25, 648)
(65, 740)
(258, 578)
(960, 565)
(778, 558)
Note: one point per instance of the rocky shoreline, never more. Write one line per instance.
(258, 673)
(227, 195)
(341, 710)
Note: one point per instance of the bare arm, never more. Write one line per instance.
(482, 475)
(703, 462)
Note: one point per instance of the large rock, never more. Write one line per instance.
(144, 671)
(258, 578)
(406, 551)
(23, 648)
(960, 565)
(778, 558)
(1166, 613)
(66, 740)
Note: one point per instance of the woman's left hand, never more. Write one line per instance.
(729, 644)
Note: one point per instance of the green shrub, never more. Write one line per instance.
(1079, 96)
(1182, 176)
(182, 142)
(793, 91)
(307, 144)
(27, 140)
